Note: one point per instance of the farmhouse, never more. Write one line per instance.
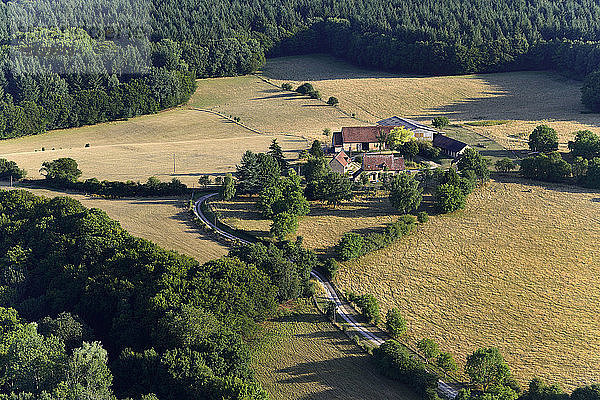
(340, 163)
(361, 138)
(375, 163)
(451, 147)
(422, 132)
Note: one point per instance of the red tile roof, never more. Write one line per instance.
(364, 134)
(342, 158)
(377, 162)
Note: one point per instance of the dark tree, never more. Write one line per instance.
(276, 152)
(440, 122)
(405, 193)
(543, 139)
(62, 170)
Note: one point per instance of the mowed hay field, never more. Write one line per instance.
(200, 142)
(269, 109)
(525, 98)
(303, 356)
(519, 269)
(165, 221)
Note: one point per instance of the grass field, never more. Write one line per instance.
(525, 98)
(200, 142)
(165, 221)
(302, 356)
(517, 269)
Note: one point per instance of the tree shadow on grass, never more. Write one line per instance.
(559, 187)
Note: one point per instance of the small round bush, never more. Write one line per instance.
(422, 217)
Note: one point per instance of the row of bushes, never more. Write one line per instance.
(353, 245)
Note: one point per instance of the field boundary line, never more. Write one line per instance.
(230, 119)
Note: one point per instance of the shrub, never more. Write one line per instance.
(350, 246)
(369, 307)
(305, 88)
(546, 167)
(314, 94)
(330, 267)
(472, 160)
(286, 86)
(332, 101)
(440, 122)
(505, 165)
(87, 145)
(429, 348)
(422, 217)
(395, 322)
(445, 361)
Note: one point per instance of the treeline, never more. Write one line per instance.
(173, 328)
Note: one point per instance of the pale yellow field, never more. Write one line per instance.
(302, 356)
(519, 269)
(268, 108)
(528, 98)
(202, 143)
(165, 221)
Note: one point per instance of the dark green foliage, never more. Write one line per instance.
(586, 145)
(543, 139)
(449, 198)
(590, 92)
(255, 172)
(538, 390)
(429, 348)
(445, 362)
(486, 367)
(395, 322)
(131, 294)
(592, 176)
(332, 188)
(353, 245)
(286, 86)
(546, 167)
(440, 122)
(330, 267)
(422, 217)
(505, 165)
(409, 149)
(591, 392)
(228, 187)
(333, 101)
(314, 94)
(62, 170)
(368, 306)
(10, 169)
(305, 88)
(204, 180)
(427, 150)
(283, 224)
(284, 196)
(472, 160)
(316, 149)
(405, 193)
(395, 362)
(276, 152)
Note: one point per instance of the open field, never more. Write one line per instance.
(525, 98)
(202, 143)
(164, 221)
(269, 109)
(518, 269)
(302, 356)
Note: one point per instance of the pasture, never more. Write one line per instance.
(301, 355)
(199, 142)
(527, 99)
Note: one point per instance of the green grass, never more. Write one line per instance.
(486, 146)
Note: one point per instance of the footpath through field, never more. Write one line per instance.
(370, 333)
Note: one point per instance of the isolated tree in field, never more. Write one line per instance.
(586, 144)
(350, 246)
(283, 225)
(445, 361)
(405, 193)
(62, 170)
(204, 180)
(472, 160)
(10, 169)
(543, 139)
(369, 307)
(332, 101)
(429, 348)
(228, 187)
(486, 367)
(590, 92)
(276, 152)
(286, 86)
(314, 94)
(440, 122)
(305, 88)
(395, 322)
(505, 165)
(316, 150)
(449, 198)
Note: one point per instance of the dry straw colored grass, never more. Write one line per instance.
(202, 143)
(526, 98)
(302, 356)
(518, 269)
(165, 221)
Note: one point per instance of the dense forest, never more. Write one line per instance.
(88, 311)
(78, 62)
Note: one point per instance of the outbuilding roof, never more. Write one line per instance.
(380, 162)
(364, 134)
(414, 126)
(342, 158)
(448, 144)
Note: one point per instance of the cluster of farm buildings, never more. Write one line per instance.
(374, 160)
